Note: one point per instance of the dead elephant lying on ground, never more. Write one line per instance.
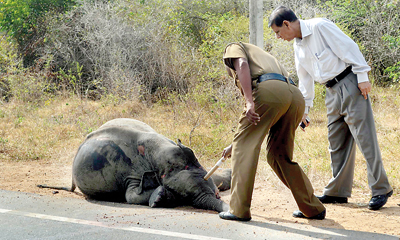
(126, 160)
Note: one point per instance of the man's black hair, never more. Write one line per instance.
(281, 14)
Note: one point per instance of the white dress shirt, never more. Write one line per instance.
(323, 53)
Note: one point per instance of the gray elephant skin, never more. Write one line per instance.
(126, 160)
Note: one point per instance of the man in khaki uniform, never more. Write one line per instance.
(274, 106)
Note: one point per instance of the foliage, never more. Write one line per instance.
(8, 60)
(221, 30)
(23, 20)
(29, 85)
(394, 45)
(111, 51)
(189, 18)
(376, 26)
(303, 8)
(135, 49)
(149, 49)
(8, 55)
(394, 72)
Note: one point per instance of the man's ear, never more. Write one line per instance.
(286, 23)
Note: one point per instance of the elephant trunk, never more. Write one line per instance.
(210, 202)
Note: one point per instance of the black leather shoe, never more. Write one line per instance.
(319, 216)
(378, 201)
(230, 216)
(332, 199)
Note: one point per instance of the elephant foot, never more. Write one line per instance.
(162, 198)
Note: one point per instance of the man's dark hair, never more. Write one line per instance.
(281, 14)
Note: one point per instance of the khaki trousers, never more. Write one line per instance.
(281, 107)
(351, 122)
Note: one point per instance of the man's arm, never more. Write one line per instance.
(306, 86)
(243, 73)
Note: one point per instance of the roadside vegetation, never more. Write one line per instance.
(69, 66)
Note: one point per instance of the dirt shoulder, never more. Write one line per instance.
(271, 202)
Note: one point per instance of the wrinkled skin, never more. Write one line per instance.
(126, 160)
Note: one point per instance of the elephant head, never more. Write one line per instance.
(187, 185)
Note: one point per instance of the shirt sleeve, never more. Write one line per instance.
(233, 51)
(345, 49)
(306, 84)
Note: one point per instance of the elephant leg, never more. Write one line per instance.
(132, 196)
(161, 197)
(222, 179)
(141, 188)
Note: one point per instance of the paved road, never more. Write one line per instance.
(32, 216)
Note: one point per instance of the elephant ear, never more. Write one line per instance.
(189, 154)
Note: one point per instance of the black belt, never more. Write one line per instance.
(339, 77)
(273, 76)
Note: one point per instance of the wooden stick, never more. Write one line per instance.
(219, 163)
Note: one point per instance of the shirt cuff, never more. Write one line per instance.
(362, 77)
(307, 110)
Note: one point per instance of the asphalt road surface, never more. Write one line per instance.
(32, 216)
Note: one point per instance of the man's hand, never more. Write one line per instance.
(251, 114)
(227, 152)
(305, 121)
(365, 88)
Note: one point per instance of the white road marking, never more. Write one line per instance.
(99, 224)
(4, 210)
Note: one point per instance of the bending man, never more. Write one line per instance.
(274, 106)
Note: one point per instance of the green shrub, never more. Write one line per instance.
(113, 52)
(23, 21)
(221, 30)
(189, 19)
(376, 26)
(8, 61)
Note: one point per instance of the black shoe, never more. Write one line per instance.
(332, 199)
(378, 201)
(230, 216)
(319, 216)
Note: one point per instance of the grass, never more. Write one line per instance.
(203, 120)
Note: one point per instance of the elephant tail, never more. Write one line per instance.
(71, 189)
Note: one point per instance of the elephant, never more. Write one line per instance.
(126, 160)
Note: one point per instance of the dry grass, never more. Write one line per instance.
(52, 132)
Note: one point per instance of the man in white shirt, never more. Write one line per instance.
(324, 54)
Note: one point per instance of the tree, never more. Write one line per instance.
(23, 21)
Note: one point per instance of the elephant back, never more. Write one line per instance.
(128, 123)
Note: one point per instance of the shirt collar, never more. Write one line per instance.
(305, 32)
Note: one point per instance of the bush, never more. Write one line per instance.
(189, 18)
(23, 21)
(114, 52)
(376, 26)
(8, 60)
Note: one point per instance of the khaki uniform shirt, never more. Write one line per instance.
(260, 62)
